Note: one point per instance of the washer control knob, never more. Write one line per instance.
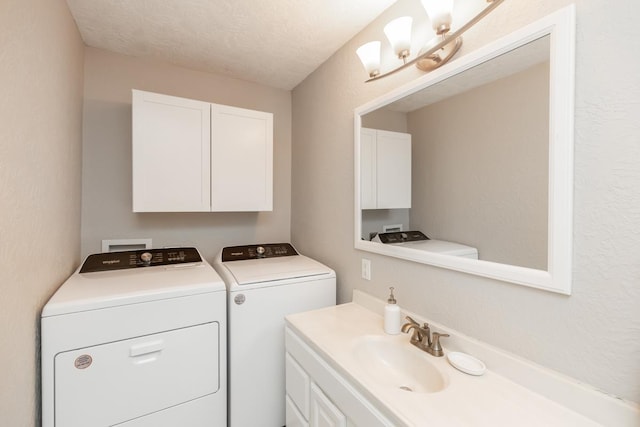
(146, 258)
(260, 250)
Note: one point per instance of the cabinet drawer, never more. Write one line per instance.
(111, 383)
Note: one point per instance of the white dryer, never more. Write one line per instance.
(136, 339)
(264, 284)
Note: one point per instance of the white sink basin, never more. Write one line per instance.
(393, 362)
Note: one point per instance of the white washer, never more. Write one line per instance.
(264, 284)
(136, 339)
(417, 240)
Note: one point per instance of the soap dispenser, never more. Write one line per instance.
(392, 315)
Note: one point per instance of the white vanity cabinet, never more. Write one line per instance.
(385, 169)
(195, 156)
(319, 396)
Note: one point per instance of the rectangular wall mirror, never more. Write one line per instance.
(478, 156)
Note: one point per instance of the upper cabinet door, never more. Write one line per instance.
(385, 169)
(171, 153)
(241, 159)
(368, 187)
(393, 156)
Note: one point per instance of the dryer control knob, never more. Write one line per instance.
(146, 258)
(260, 250)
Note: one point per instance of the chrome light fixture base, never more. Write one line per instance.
(439, 57)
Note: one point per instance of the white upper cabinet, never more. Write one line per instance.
(385, 169)
(194, 156)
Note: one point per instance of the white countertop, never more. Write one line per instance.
(487, 400)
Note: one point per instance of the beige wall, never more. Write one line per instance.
(480, 168)
(106, 174)
(374, 220)
(40, 143)
(592, 335)
(382, 119)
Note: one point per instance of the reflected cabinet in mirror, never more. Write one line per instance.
(488, 173)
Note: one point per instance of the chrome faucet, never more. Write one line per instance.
(422, 337)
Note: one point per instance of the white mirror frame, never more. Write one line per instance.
(560, 26)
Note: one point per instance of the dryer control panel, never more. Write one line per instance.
(267, 250)
(140, 258)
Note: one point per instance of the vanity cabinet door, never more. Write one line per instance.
(323, 412)
(297, 384)
(293, 417)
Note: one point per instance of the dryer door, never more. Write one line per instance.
(115, 382)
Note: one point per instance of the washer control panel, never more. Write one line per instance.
(267, 250)
(402, 237)
(140, 258)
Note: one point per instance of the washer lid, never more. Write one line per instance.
(442, 247)
(271, 269)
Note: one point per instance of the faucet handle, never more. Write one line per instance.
(435, 348)
(411, 320)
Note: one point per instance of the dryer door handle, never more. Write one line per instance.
(146, 348)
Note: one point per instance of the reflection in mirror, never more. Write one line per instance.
(491, 159)
(479, 158)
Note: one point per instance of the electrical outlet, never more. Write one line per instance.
(366, 269)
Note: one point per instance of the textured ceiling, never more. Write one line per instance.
(273, 42)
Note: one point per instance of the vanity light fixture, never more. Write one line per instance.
(430, 57)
